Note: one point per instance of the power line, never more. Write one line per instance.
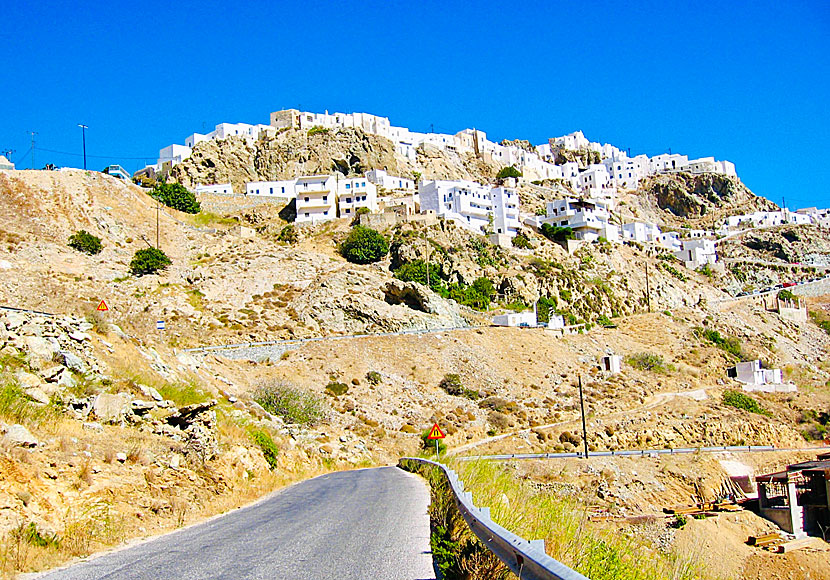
(151, 157)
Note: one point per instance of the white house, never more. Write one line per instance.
(472, 205)
(224, 188)
(526, 318)
(596, 176)
(6, 164)
(628, 172)
(282, 189)
(755, 378)
(697, 252)
(354, 193)
(382, 179)
(173, 154)
(667, 162)
(589, 219)
(316, 197)
(709, 165)
(640, 232)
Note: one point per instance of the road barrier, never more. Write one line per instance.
(526, 559)
(38, 312)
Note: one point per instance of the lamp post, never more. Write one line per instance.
(83, 136)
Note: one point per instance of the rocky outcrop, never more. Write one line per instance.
(348, 151)
(695, 196)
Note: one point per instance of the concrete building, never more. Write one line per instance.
(172, 155)
(611, 363)
(589, 219)
(627, 173)
(116, 171)
(281, 189)
(316, 197)
(697, 252)
(797, 499)
(224, 188)
(6, 164)
(477, 207)
(526, 318)
(354, 193)
(667, 162)
(382, 179)
(755, 378)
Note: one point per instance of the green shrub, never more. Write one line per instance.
(269, 449)
(604, 321)
(674, 272)
(292, 404)
(452, 385)
(183, 393)
(484, 287)
(336, 389)
(148, 261)
(678, 522)
(30, 534)
(544, 306)
(739, 400)
(522, 242)
(364, 246)
(373, 378)
(508, 171)
(647, 361)
(359, 212)
(176, 196)
(288, 234)
(429, 444)
(556, 233)
(317, 130)
(706, 270)
(416, 271)
(85, 242)
(787, 295)
(729, 344)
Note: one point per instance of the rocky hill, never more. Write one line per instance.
(192, 449)
(290, 153)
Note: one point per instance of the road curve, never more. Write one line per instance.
(369, 523)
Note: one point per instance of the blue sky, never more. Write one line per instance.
(748, 82)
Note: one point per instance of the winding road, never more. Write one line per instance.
(368, 523)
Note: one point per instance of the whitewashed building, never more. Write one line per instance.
(382, 179)
(755, 378)
(5, 164)
(589, 219)
(477, 207)
(697, 252)
(354, 193)
(223, 188)
(282, 189)
(526, 318)
(640, 232)
(316, 197)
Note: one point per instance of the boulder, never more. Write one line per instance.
(18, 435)
(27, 380)
(72, 361)
(112, 408)
(44, 348)
(150, 392)
(37, 394)
(79, 336)
(93, 426)
(14, 320)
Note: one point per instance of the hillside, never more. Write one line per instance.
(376, 394)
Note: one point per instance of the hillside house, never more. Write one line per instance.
(223, 188)
(611, 363)
(316, 197)
(382, 179)
(696, 252)
(476, 207)
(526, 318)
(589, 219)
(640, 232)
(281, 189)
(797, 499)
(755, 378)
(354, 193)
(6, 164)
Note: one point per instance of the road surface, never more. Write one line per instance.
(369, 523)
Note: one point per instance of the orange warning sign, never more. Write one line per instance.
(436, 433)
(102, 307)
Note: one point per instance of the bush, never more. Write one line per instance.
(706, 270)
(508, 171)
(373, 378)
(359, 212)
(148, 261)
(739, 400)
(647, 361)
(336, 389)
(429, 444)
(498, 420)
(522, 242)
(416, 271)
(292, 404)
(451, 384)
(317, 130)
(786, 295)
(177, 196)
(288, 234)
(85, 242)
(729, 344)
(484, 287)
(269, 449)
(364, 246)
(556, 233)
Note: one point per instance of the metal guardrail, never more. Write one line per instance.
(13, 309)
(637, 452)
(526, 559)
(295, 341)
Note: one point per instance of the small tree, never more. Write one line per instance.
(148, 261)
(484, 287)
(364, 246)
(508, 171)
(177, 196)
(85, 242)
(359, 212)
(556, 233)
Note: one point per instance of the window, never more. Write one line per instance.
(306, 200)
(348, 211)
(306, 214)
(348, 200)
(325, 198)
(348, 186)
(326, 212)
(272, 190)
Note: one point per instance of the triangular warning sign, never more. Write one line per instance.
(436, 433)
(102, 307)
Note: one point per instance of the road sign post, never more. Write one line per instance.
(102, 306)
(436, 434)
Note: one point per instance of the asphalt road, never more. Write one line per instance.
(369, 523)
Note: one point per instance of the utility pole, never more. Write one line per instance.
(7, 153)
(33, 133)
(83, 136)
(158, 205)
(584, 427)
(426, 245)
(648, 290)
